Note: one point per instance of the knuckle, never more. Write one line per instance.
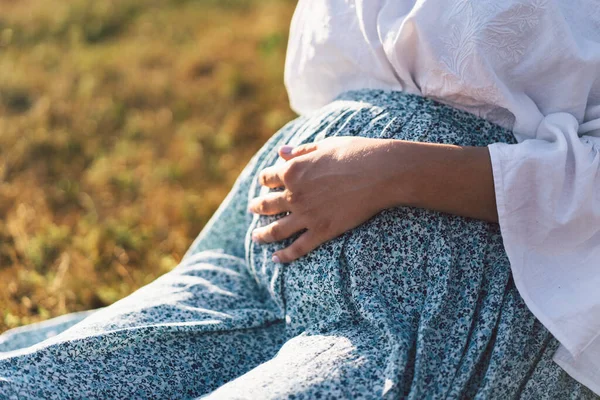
(296, 251)
(306, 148)
(300, 149)
(275, 232)
(262, 206)
(291, 172)
(262, 178)
(293, 198)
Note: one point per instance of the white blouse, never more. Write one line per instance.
(532, 66)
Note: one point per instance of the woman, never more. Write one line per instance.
(369, 264)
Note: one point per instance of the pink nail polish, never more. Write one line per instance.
(286, 149)
(276, 259)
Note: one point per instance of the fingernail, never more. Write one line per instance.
(276, 259)
(286, 149)
(255, 237)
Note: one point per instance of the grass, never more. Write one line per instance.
(122, 126)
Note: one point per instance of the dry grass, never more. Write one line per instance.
(123, 123)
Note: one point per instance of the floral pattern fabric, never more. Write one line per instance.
(412, 304)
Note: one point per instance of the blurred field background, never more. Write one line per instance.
(123, 123)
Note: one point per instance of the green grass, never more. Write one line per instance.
(122, 126)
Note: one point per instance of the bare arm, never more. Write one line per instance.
(334, 185)
(453, 179)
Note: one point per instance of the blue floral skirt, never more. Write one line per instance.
(412, 304)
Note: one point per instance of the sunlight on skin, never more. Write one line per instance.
(328, 191)
(335, 185)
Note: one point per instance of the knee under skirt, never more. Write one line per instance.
(412, 304)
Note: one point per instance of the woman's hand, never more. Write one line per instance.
(330, 187)
(337, 184)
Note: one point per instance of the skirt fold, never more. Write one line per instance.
(412, 304)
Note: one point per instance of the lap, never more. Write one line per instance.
(411, 304)
(190, 331)
(198, 326)
(335, 363)
(438, 312)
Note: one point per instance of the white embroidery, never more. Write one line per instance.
(478, 32)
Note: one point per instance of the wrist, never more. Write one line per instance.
(442, 177)
(399, 185)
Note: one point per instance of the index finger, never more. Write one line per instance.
(271, 177)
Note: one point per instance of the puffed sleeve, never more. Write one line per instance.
(548, 198)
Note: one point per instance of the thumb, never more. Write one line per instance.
(288, 152)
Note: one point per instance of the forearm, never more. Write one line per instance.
(452, 179)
